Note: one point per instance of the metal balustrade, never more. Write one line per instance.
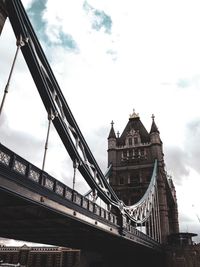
(23, 169)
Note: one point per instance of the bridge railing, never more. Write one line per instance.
(14, 167)
(23, 169)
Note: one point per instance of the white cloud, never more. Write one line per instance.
(28, 3)
(151, 47)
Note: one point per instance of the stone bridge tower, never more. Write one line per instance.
(132, 155)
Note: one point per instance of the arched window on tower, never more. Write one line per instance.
(136, 140)
(130, 141)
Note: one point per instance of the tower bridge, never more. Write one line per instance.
(36, 207)
(141, 202)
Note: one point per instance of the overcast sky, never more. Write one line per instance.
(110, 57)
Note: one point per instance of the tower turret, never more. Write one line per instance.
(133, 155)
(112, 134)
(154, 128)
(156, 143)
(112, 140)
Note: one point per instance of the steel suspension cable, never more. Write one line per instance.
(153, 217)
(157, 217)
(19, 43)
(155, 220)
(50, 117)
(149, 227)
(47, 86)
(159, 227)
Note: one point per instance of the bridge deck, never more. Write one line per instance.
(36, 207)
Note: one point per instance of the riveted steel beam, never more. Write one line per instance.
(3, 15)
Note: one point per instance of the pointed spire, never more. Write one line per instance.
(154, 128)
(112, 131)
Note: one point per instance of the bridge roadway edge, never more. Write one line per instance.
(19, 174)
(113, 255)
(16, 186)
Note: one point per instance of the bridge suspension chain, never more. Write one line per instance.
(53, 98)
(75, 166)
(141, 210)
(19, 44)
(50, 118)
(158, 216)
(152, 224)
(107, 173)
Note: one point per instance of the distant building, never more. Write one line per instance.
(132, 155)
(9, 265)
(40, 256)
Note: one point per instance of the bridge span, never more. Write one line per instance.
(36, 207)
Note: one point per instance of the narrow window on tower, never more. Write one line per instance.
(130, 142)
(135, 140)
